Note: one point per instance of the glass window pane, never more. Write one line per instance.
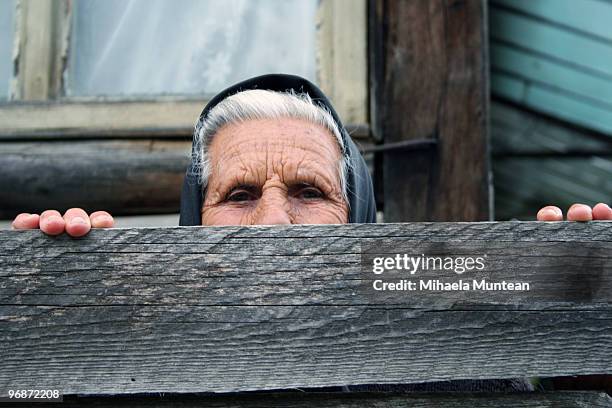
(7, 28)
(187, 47)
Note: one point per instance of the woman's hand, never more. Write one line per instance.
(75, 222)
(577, 212)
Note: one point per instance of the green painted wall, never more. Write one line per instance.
(551, 85)
(554, 57)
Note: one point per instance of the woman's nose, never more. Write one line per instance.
(272, 210)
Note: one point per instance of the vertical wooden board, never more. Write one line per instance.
(41, 27)
(431, 81)
(342, 60)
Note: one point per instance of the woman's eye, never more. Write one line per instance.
(310, 193)
(240, 196)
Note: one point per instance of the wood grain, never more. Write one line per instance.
(591, 17)
(531, 151)
(40, 37)
(122, 177)
(342, 57)
(86, 117)
(354, 400)
(203, 309)
(429, 79)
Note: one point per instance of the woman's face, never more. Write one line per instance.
(267, 172)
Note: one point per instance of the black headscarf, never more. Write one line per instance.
(362, 207)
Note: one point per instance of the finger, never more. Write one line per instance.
(26, 221)
(51, 222)
(101, 219)
(550, 213)
(602, 212)
(579, 212)
(77, 222)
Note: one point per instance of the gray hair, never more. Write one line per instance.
(260, 104)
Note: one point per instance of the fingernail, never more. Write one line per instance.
(100, 218)
(78, 220)
(550, 213)
(54, 218)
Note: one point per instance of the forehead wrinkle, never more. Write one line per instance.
(239, 154)
(275, 153)
(288, 135)
(301, 170)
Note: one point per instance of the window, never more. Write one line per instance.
(194, 47)
(123, 66)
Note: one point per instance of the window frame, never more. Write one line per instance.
(37, 106)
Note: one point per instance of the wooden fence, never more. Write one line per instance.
(122, 312)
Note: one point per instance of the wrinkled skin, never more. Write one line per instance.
(274, 172)
(268, 172)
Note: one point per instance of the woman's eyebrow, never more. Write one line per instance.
(232, 177)
(244, 186)
(307, 174)
(315, 178)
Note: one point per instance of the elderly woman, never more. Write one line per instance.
(270, 150)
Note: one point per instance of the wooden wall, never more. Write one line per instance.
(228, 309)
(551, 116)
(202, 309)
(540, 161)
(429, 83)
(555, 57)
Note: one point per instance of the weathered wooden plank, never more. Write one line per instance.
(589, 16)
(123, 177)
(429, 80)
(552, 101)
(516, 131)
(351, 400)
(550, 67)
(551, 40)
(521, 142)
(23, 119)
(519, 193)
(41, 44)
(533, 67)
(320, 273)
(202, 309)
(341, 56)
